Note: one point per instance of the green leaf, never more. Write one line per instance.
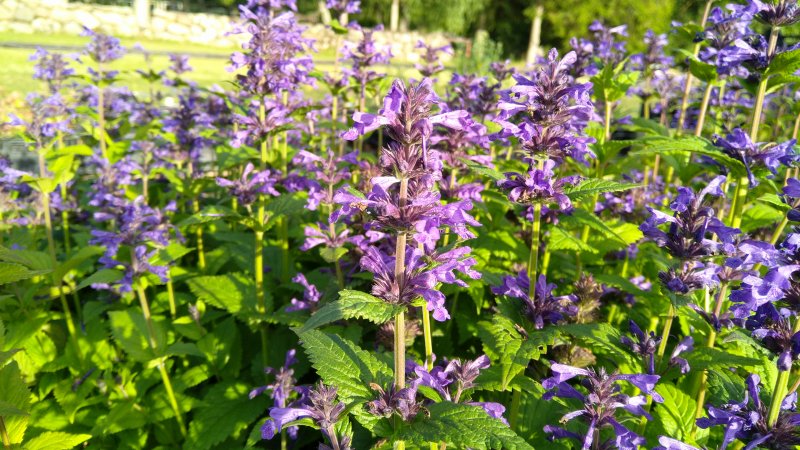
(232, 292)
(29, 258)
(332, 254)
(14, 394)
(76, 259)
(56, 440)
(784, 63)
(353, 304)
(11, 273)
(461, 426)
(684, 145)
(602, 336)
(509, 349)
(342, 363)
(676, 413)
(593, 186)
(227, 414)
(564, 240)
(702, 70)
(705, 357)
(584, 218)
(482, 170)
(102, 276)
(129, 329)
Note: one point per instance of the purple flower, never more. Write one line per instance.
(51, 68)
(667, 443)
(284, 383)
(251, 185)
(738, 145)
(311, 295)
(747, 420)
(778, 13)
(102, 48)
(344, 6)
(539, 186)
(402, 402)
(318, 404)
(541, 307)
(602, 400)
(363, 55)
(556, 110)
(179, 64)
(430, 57)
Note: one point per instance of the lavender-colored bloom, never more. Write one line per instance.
(283, 385)
(645, 345)
(48, 118)
(747, 420)
(539, 186)
(431, 59)
(791, 192)
(251, 185)
(254, 130)
(102, 48)
(738, 145)
(501, 70)
(689, 225)
(311, 295)
(543, 308)
(363, 55)
(344, 6)
(179, 64)
(667, 443)
(601, 403)
(755, 291)
(556, 110)
(780, 13)
(318, 404)
(271, 59)
(723, 29)
(402, 402)
(654, 56)
(608, 45)
(51, 68)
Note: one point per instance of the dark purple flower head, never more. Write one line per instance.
(179, 64)
(283, 385)
(407, 116)
(791, 193)
(756, 291)
(543, 308)
(344, 6)
(253, 130)
(52, 68)
(251, 185)
(276, 56)
(609, 42)
(777, 13)
(690, 224)
(539, 186)
(102, 48)
(501, 70)
(365, 54)
(311, 295)
(747, 420)
(318, 404)
(723, 29)
(555, 110)
(738, 145)
(654, 57)
(601, 403)
(431, 63)
(402, 402)
(644, 346)
(48, 118)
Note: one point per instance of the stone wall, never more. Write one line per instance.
(61, 16)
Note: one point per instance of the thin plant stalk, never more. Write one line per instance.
(710, 343)
(744, 184)
(51, 246)
(780, 390)
(261, 303)
(171, 295)
(201, 254)
(283, 224)
(4, 434)
(400, 318)
(161, 367)
(687, 89)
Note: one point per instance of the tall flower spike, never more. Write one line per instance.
(543, 308)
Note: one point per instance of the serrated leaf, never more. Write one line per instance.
(14, 393)
(130, 330)
(353, 305)
(232, 292)
(228, 414)
(12, 272)
(584, 218)
(592, 186)
(342, 363)
(56, 440)
(705, 357)
(509, 350)
(76, 259)
(602, 336)
(676, 413)
(564, 240)
(31, 259)
(483, 170)
(690, 144)
(784, 63)
(461, 426)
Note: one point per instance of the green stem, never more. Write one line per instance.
(779, 393)
(171, 295)
(662, 347)
(51, 246)
(710, 343)
(101, 118)
(701, 119)
(513, 415)
(426, 330)
(4, 433)
(261, 302)
(399, 320)
(533, 257)
(687, 89)
(161, 367)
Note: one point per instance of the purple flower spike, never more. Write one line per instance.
(544, 308)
